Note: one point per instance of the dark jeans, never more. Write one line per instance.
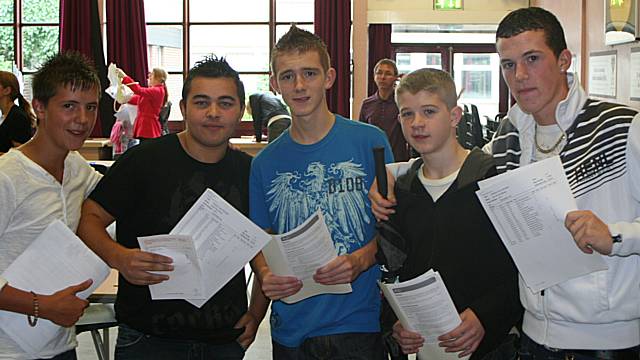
(134, 345)
(68, 355)
(530, 350)
(352, 346)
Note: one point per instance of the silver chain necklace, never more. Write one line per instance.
(554, 147)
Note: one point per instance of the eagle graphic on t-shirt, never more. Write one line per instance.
(338, 190)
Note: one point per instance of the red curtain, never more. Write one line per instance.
(332, 23)
(80, 31)
(127, 38)
(379, 48)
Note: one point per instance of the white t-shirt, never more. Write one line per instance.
(436, 187)
(31, 199)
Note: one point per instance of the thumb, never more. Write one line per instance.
(81, 287)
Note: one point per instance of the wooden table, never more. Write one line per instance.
(248, 145)
(96, 149)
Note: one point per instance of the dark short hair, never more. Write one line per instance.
(386, 62)
(213, 67)
(300, 41)
(532, 19)
(67, 69)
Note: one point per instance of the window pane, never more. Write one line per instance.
(229, 11)
(6, 48)
(294, 10)
(478, 76)
(6, 11)
(408, 62)
(253, 84)
(174, 86)
(40, 11)
(164, 47)
(282, 29)
(163, 10)
(38, 44)
(246, 50)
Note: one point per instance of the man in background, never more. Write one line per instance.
(380, 109)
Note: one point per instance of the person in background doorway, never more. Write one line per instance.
(18, 121)
(380, 109)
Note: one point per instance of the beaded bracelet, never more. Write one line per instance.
(36, 307)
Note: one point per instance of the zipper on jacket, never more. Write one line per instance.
(546, 317)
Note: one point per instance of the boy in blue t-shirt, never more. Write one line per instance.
(329, 166)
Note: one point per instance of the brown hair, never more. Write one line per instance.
(9, 80)
(433, 81)
(386, 62)
(300, 41)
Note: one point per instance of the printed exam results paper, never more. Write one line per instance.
(55, 260)
(527, 207)
(300, 252)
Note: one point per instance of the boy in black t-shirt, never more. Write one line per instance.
(147, 191)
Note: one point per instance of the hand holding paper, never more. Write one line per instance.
(64, 307)
(527, 207)
(185, 281)
(589, 232)
(137, 267)
(465, 338)
(299, 254)
(276, 287)
(410, 341)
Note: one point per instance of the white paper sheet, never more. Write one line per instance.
(423, 305)
(300, 252)
(55, 260)
(225, 240)
(185, 281)
(527, 207)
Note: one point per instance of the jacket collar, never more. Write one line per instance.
(474, 168)
(566, 111)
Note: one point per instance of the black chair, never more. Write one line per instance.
(163, 117)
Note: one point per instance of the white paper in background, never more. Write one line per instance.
(55, 260)
(527, 206)
(423, 305)
(302, 251)
(185, 281)
(224, 239)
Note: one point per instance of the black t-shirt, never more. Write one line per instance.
(15, 127)
(147, 191)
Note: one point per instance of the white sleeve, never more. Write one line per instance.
(630, 231)
(400, 168)
(3, 282)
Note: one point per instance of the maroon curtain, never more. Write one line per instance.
(379, 48)
(80, 31)
(127, 38)
(332, 23)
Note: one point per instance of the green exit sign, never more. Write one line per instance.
(447, 4)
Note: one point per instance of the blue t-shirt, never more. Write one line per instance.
(288, 183)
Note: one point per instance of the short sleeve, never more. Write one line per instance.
(257, 200)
